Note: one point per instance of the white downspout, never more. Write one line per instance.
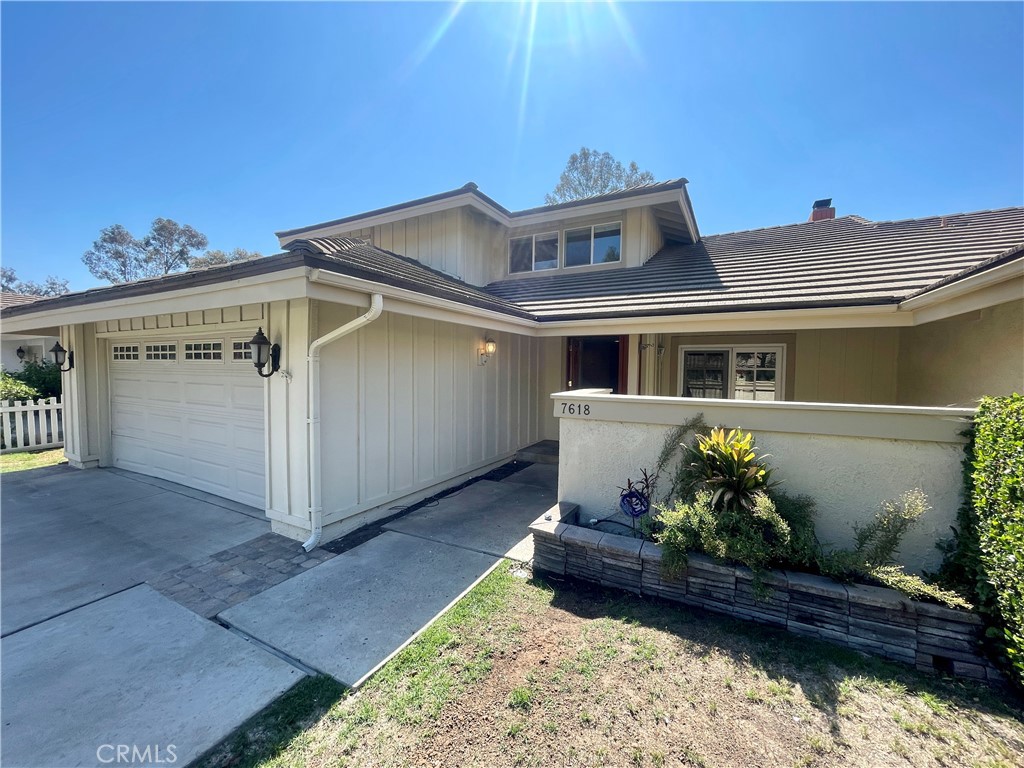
(316, 509)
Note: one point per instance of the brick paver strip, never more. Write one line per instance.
(226, 578)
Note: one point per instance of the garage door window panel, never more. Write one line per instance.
(162, 352)
(204, 351)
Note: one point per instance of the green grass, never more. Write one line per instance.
(15, 462)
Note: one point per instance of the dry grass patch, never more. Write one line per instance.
(528, 673)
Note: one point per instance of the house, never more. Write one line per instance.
(15, 349)
(419, 343)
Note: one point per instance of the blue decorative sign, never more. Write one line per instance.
(634, 504)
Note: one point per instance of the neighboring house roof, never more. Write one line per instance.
(8, 299)
(847, 261)
(471, 191)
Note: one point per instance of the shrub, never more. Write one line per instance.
(14, 389)
(726, 463)
(874, 552)
(998, 500)
(757, 536)
(44, 377)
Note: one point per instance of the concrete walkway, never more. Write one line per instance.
(347, 616)
(92, 656)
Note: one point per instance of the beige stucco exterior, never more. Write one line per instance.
(847, 458)
(957, 360)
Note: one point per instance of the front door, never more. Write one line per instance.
(597, 362)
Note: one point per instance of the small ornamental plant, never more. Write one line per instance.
(727, 465)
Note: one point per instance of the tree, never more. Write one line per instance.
(590, 172)
(215, 257)
(117, 256)
(120, 257)
(9, 283)
(169, 245)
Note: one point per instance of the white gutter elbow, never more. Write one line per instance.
(316, 510)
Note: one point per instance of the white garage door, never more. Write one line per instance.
(191, 411)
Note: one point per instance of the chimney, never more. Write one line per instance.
(822, 209)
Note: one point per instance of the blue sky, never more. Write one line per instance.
(241, 119)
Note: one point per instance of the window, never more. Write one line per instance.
(240, 350)
(161, 351)
(204, 350)
(600, 244)
(533, 253)
(737, 373)
(124, 351)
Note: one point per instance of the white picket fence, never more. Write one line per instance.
(30, 426)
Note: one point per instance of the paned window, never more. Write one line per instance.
(533, 253)
(240, 350)
(204, 350)
(600, 244)
(161, 351)
(124, 351)
(736, 373)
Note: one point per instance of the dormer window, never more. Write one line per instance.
(600, 244)
(533, 253)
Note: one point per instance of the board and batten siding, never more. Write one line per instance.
(405, 406)
(456, 242)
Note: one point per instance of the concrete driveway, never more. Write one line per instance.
(93, 658)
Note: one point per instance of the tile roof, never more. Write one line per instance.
(355, 258)
(472, 189)
(8, 299)
(840, 262)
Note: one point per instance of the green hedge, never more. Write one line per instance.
(998, 501)
(13, 389)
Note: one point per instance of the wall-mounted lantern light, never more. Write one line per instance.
(263, 353)
(20, 352)
(61, 355)
(488, 349)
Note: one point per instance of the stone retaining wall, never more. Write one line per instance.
(878, 621)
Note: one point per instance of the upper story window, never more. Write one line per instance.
(599, 244)
(533, 253)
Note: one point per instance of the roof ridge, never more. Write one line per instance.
(851, 216)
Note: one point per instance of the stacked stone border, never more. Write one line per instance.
(881, 622)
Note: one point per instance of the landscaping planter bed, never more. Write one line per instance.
(874, 620)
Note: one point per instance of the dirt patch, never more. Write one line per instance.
(566, 674)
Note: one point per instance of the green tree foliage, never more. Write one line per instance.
(52, 286)
(43, 377)
(214, 258)
(589, 172)
(13, 389)
(117, 256)
(169, 246)
(998, 499)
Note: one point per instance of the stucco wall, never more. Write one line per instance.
(847, 474)
(405, 405)
(36, 347)
(962, 358)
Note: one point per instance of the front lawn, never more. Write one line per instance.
(532, 673)
(13, 462)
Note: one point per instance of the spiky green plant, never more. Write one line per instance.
(727, 464)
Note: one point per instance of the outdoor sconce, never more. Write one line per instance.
(263, 352)
(61, 355)
(488, 349)
(20, 352)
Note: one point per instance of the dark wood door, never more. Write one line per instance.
(597, 362)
